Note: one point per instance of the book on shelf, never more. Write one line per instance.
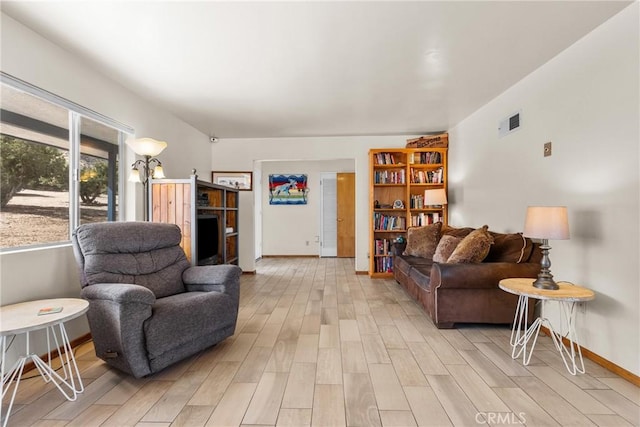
(419, 176)
(389, 177)
(383, 246)
(385, 159)
(427, 158)
(423, 219)
(416, 201)
(384, 265)
(384, 222)
(436, 176)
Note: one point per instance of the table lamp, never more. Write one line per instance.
(435, 197)
(546, 222)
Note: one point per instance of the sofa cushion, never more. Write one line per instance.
(405, 263)
(473, 248)
(456, 232)
(422, 241)
(445, 248)
(509, 248)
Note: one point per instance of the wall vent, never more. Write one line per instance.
(509, 124)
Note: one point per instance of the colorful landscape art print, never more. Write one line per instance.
(288, 189)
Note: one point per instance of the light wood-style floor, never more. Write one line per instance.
(317, 345)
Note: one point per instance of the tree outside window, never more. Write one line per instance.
(35, 163)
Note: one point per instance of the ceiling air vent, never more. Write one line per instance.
(510, 124)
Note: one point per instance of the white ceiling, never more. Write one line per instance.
(281, 69)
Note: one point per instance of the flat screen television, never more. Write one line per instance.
(208, 239)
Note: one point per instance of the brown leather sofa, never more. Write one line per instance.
(469, 293)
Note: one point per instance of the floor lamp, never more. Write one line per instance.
(149, 167)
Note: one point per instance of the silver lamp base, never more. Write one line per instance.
(545, 281)
(545, 278)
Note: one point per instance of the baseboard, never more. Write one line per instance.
(290, 256)
(362, 272)
(54, 353)
(249, 272)
(610, 366)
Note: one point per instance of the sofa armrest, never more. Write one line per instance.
(117, 312)
(219, 278)
(485, 275)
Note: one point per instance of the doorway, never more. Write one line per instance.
(337, 215)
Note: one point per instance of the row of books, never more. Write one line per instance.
(416, 201)
(383, 247)
(425, 158)
(385, 159)
(428, 158)
(388, 222)
(427, 177)
(389, 177)
(384, 264)
(424, 219)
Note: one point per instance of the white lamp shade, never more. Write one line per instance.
(158, 172)
(134, 175)
(435, 196)
(146, 146)
(547, 222)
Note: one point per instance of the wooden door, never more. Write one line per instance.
(346, 200)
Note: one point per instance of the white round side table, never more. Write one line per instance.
(566, 297)
(23, 318)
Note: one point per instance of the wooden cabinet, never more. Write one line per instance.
(398, 180)
(206, 213)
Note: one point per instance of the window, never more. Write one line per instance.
(98, 182)
(58, 166)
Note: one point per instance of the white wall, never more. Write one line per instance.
(226, 156)
(295, 230)
(47, 273)
(586, 102)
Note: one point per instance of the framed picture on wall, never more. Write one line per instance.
(239, 180)
(288, 189)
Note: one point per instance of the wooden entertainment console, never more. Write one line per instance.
(206, 213)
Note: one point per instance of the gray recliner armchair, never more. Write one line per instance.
(148, 307)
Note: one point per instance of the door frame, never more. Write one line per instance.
(323, 203)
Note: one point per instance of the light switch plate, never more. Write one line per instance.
(547, 149)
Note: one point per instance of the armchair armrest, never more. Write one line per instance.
(478, 276)
(219, 278)
(117, 312)
(119, 292)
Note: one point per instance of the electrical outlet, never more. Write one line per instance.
(307, 243)
(547, 149)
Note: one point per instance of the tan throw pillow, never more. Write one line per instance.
(448, 230)
(473, 248)
(446, 246)
(422, 241)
